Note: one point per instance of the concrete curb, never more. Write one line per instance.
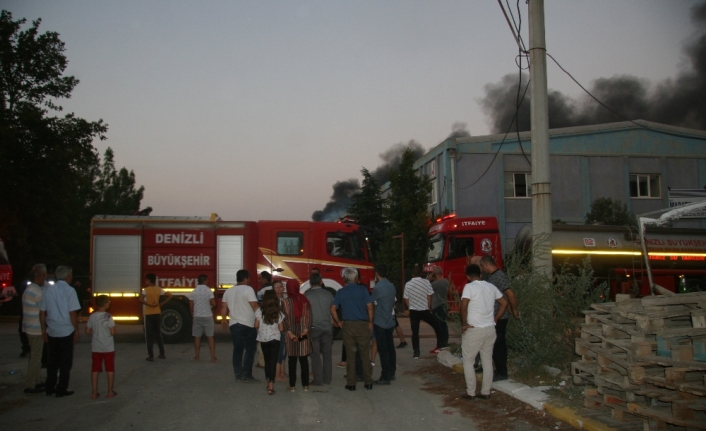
(571, 417)
(532, 396)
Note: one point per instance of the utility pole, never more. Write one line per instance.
(541, 186)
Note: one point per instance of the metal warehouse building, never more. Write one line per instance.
(646, 165)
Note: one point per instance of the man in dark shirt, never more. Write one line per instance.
(498, 278)
(439, 302)
(384, 323)
(357, 313)
(321, 333)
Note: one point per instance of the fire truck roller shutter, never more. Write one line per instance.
(230, 258)
(116, 263)
(176, 320)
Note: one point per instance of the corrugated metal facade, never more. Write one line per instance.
(587, 163)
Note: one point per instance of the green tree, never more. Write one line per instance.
(32, 66)
(407, 212)
(49, 165)
(114, 191)
(610, 212)
(367, 209)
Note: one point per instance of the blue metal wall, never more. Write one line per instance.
(586, 163)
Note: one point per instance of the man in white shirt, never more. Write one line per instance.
(31, 299)
(240, 303)
(58, 317)
(417, 297)
(201, 305)
(478, 318)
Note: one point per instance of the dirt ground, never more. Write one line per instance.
(501, 412)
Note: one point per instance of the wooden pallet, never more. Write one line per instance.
(645, 359)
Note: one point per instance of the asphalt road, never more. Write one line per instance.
(179, 394)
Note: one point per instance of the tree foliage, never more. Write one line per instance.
(114, 191)
(52, 180)
(406, 212)
(367, 208)
(610, 212)
(32, 66)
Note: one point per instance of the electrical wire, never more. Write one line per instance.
(518, 61)
(514, 35)
(679, 135)
(501, 143)
(517, 28)
(518, 103)
(520, 54)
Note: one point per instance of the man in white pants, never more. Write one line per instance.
(478, 327)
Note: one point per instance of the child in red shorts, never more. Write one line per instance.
(102, 326)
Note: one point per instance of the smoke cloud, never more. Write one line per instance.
(343, 191)
(677, 101)
(459, 130)
(392, 157)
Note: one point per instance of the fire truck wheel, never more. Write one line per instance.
(176, 322)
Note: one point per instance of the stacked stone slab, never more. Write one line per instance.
(645, 359)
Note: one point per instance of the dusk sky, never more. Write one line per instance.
(254, 109)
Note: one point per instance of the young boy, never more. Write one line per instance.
(102, 326)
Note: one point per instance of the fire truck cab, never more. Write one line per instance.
(453, 241)
(7, 290)
(178, 249)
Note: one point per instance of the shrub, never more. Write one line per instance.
(550, 311)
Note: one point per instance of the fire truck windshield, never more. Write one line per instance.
(436, 248)
(3, 254)
(348, 245)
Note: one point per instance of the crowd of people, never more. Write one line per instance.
(297, 327)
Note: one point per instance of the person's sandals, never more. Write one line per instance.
(271, 391)
(292, 389)
(93, 397)
(113, 395)
(150, 358)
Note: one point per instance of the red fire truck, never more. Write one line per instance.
(452, 241)
(177, 249)
(677, 256)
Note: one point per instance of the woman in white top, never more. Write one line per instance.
(268, 322)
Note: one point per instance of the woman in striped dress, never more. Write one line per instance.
(297, 320)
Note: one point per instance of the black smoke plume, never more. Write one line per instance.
(343, 191)
(340, 201)
(459, 130)
(392, 157)
(677, 101)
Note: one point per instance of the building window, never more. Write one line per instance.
(518, 185)
(290, 243)
(645, 186)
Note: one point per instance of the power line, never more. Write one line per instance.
(501, 143)
(679, 135)
(520, 54)
(516, 36)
